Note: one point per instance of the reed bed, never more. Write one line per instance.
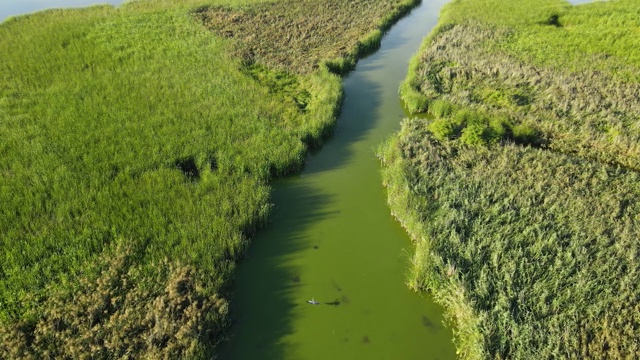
(580, 93)
(299, 35)
(520, 189)
(532, 253)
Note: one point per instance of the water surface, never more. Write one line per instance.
(332, 239)
(18, 7)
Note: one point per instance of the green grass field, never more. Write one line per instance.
(562, 72)
(521, 188)
(137, 147)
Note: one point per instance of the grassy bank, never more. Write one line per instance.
(137, 149)
(520, 191)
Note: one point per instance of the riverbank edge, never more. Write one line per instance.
(426, 271)
(445, 291)
(326, 83)
(413, 100)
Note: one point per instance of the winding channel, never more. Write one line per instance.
(332, 239)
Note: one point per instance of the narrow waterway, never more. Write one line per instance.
(332, 239)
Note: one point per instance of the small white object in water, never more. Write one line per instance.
(313, 302)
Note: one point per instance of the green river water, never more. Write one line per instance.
(332, 238)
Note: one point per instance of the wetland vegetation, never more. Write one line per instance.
(137, 149)
(521, 189)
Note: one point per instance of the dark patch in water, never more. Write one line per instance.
(426, 322)
(335, 302)
(344, 299)
(365, 340)
(315, 247)
(296, 279)
(345, 339)
(335, 285)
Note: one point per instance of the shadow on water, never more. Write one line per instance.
(357, 117)
(361, 111)
(262, 311)
(266, 281)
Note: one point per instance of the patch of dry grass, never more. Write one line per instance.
(297, 35)
(110, 317)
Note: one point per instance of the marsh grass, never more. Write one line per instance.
(299, 36)
(532, 253)
(521, 191)
(137, 128)
(590, 113)
(172, 316)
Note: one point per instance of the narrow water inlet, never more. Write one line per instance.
(332, 239)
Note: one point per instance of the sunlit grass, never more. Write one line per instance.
(577, 88)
